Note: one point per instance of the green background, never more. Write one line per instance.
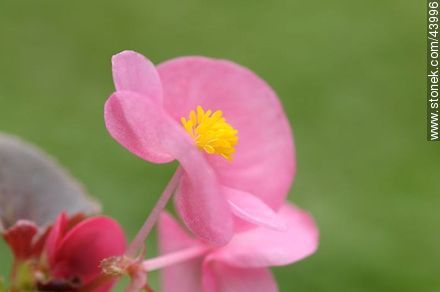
(350, 75)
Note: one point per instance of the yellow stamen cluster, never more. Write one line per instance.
(211, 132)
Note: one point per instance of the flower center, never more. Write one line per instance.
(211, 132)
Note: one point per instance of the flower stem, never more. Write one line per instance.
(138, 242)
(173, 258)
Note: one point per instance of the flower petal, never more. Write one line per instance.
(29, 179)
(55, 236)
(142, 127)
(251, 209)
(264, 162)
(204, 210)
(133, 72)
(185, 276)
(134, 121)
(219, 277)
(199, 198)
(262, 247)
(20, 237)
(84, 247)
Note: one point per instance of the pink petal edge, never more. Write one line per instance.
(263, 247)
(251, 209)
(135, 122)
(134, 72)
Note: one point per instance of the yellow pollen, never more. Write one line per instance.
(211, 132)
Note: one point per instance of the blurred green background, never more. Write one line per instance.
(351, 77)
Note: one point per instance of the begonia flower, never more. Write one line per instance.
(67, 256)
(191, 265)
(224, 125)
(76, 252)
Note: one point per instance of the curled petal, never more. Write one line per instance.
(135, 121)
(263, 247)
(251, 209)
(133, 72)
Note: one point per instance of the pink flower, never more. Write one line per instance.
(76, 252)
(224, 125)
(69, 254)
(242, 265)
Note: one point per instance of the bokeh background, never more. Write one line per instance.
(350, 75)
